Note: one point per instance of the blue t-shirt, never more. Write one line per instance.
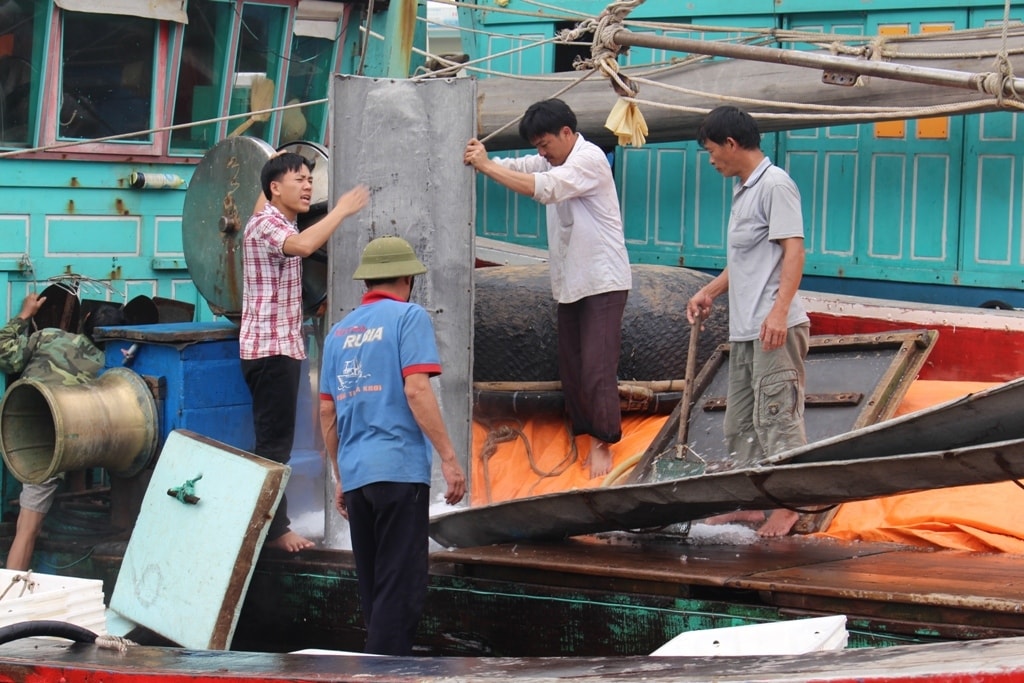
(366, 358)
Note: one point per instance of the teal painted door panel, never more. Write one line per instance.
(838, 198)
(874, 203)
(711, 211)
(81, 218)
(502, 214)
(674, 204)
(993, 173)
(823, 163)
(935, 198)
(506, 215)
(510, 58)
(652, 183)
(883, 234)
(991, 240)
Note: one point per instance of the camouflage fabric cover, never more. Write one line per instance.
(49, 355)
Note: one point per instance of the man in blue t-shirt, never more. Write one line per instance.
(380, 418)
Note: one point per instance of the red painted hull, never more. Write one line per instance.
(46, 661)
(975, 344)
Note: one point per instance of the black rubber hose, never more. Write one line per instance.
(33, 629)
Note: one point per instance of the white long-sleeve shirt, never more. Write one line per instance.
(586, 242)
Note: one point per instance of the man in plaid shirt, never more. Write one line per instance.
(270, 339)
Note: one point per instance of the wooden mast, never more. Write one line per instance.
(990, 82)
(674, 100)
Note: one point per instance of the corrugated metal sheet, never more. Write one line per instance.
(404, 139)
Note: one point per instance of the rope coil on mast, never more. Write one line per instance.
(1002, 62)
(625, 119)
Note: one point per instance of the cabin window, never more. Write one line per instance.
(107, 64)
(258, 65)
(20, 60)
(310, 66)
(309, 76)
(201, 74)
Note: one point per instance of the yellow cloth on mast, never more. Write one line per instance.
(628, 124)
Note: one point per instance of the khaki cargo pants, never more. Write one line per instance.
(764, 413)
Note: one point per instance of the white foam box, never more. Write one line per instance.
(790, 637)
(52, 597)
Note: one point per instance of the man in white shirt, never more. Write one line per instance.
(590, 273)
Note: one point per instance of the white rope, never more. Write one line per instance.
(751, 101)
(470, 64)
(520, 117)
(109, 642)
(864, 117)
(28, 585)
(819, 38)
(178, 126)
(1002, 61)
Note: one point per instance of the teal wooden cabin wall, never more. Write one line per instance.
(879, 211)
(81, 217)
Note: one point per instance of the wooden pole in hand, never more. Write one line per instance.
(691, 369)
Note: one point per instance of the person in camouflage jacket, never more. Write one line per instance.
(54, 356)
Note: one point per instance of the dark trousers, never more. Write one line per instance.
(274, 385)
(589, 343)
(389, 524)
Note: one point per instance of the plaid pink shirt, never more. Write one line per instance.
(271, 289)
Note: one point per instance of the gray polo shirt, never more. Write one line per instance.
(765, 209)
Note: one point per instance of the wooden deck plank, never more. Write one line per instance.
(983, 581)
(949, 593)
(714, 565)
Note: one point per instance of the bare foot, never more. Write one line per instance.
(779, 523)
(753, 516)
(600, 459)
(290, 542)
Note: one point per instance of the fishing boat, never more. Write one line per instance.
(122, 217)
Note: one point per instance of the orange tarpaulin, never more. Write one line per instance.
(505, 467)
(985, 517)
(515, 459)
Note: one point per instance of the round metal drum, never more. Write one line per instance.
(314, 268)
(218, 203)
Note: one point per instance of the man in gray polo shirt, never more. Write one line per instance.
(768, 327)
